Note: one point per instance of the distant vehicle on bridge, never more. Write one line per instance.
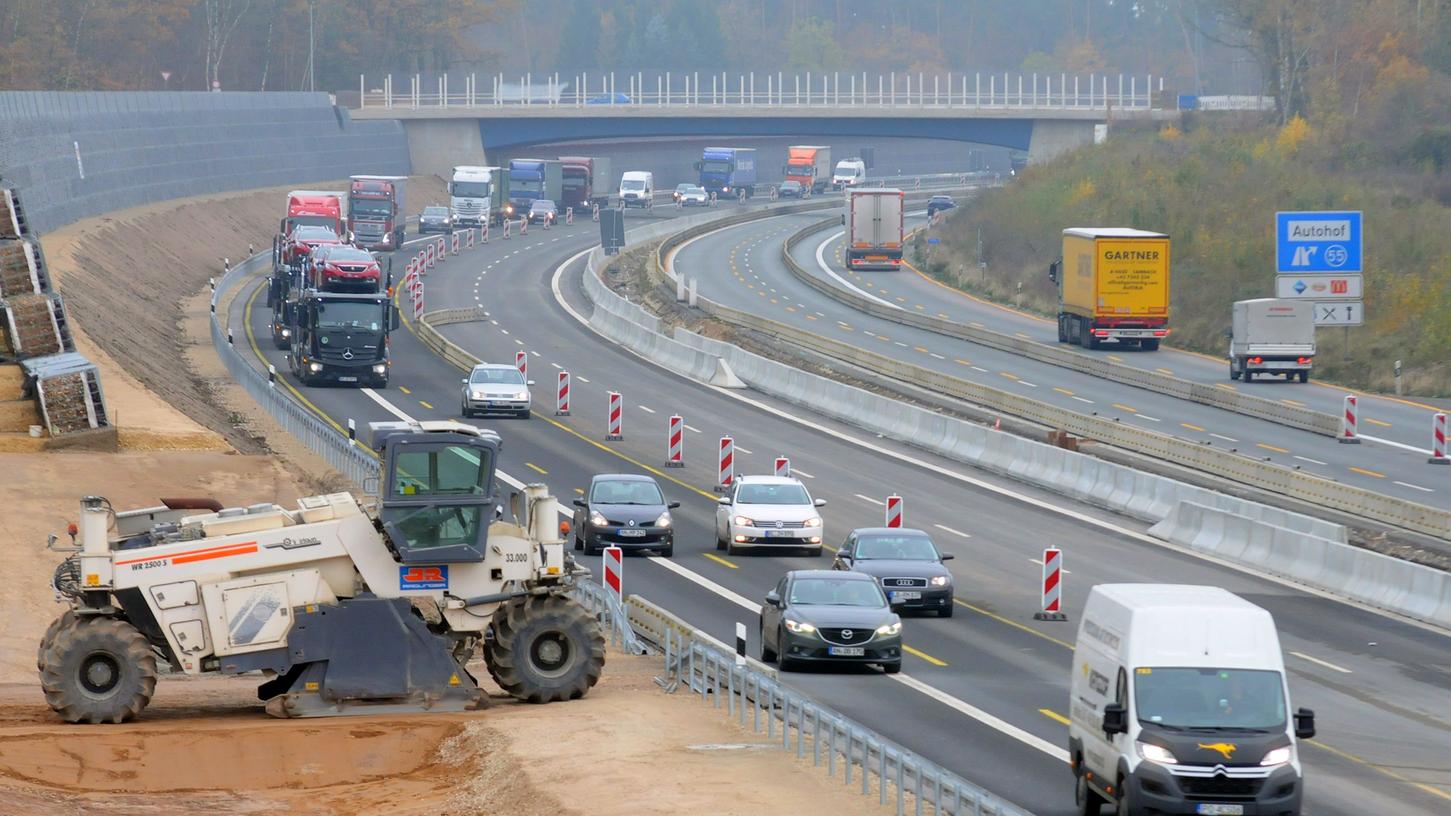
(728, 171)
(608, 99)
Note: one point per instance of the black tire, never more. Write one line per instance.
(768, 655)
(1149, 345)
(893, 667)
(98, 670)
(732, 549)
(1086, 801)
(668, 552)
(578, 544)
(525, 414)
(1233, 372)
(946, 611)
(720, 543)
(1304, 376)
(1249, 376)
(546, 649)
(66, 619)
(592, 549)
(1086, 338)
(1062, 330)
(1124, 805)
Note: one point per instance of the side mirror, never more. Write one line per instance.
(725, 500)
(843, 555)
(1054, 269)
(1115, 719)
(672, 505)
(773, 598)
(819, 503)
(395, 318)
(465, 381)
(948, 556)
(580, 503)
(1304, 724)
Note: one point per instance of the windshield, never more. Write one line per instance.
(314, 234)
(469, 189)
(1210, 698)
(632, 184)
(903, 548)
(829, 592)
(313, 221)
(348, 255)
(695, 190)
(342, 315)
(503, 376)
(526, 186)
(543, 204)
(435, 212)
(772, 494)
(846, 169)
(715, 167)
(626, 492)
(372, 209)
(802, 169)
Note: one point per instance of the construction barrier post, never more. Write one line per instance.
(783, 467)
(894, 511)
(521, 362)
(562, 404)
(524, 225)
(614, 572)
(741, 644)
(615, 417)
(568, 216)
(727, 464)
(442, 247)
(675, 444)
(595, 212)
(1052, 587)
(454, 243)
(469, 241)
(418, 302)
(1438, 440)
(1350, 421)
(507, 222)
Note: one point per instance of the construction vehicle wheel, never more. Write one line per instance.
(546, 649)
(65, 619)
(98, 670)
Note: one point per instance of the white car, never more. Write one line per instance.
(768, 512)
(496, 388)
(693, 195)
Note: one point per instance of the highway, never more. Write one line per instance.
(983, 693)
(741, 267)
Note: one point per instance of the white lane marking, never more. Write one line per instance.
(938, 356)
(1394, 444)
(1416, 487)
(692, 429)
(518, 341)
(978, 368)
(647, 409)
(1311, 461)
(1081, 399)
(386, 405)
(1317, 661)
(1225, 438)
(1146, 416)
(877, 502)
(825, 267)
(947, 529)
(795, 471)
(505, 331)
(740, 449)
(558, 366)
(1039, 562)
(584, 379)
(1025, 382)
(495, 322)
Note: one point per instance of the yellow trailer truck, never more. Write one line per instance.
(1113, 285)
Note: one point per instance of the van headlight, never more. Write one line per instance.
(890, 629)
(1156, 753)
(287, 332)
(1279, 756)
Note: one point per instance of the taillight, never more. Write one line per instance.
(1100, 332)
(1305, 360)
(1161, 332)
(1256, 360)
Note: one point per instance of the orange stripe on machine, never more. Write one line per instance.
(240, 548)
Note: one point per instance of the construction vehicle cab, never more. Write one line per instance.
(345, 609)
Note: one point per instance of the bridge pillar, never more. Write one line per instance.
(1052, 138)
(436, 145)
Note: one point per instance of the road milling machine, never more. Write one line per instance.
(345, 609)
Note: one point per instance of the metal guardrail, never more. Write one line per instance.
(1304, 419)
(869, 762)
(612, 614)
(856, 91)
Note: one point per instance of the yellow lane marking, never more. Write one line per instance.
(1115, 358)
(1164, 371)
(1364, 472)
(1387, 771)
(1064, 391)
(1270, 448)
(1010, 622)
(535, 467)
(1381, 423)
(762, 293)
(884, 338)
(1191, 426)
(962, 362)
(1009, 375)
(921, 349)
(790, 308)
(1023, 335)
(811, 317)
(425, 405)
(1053, 715)
(1296, 403)
(900, 299)
(920, 307)
(844, 328)
(775, 302)
(579, 490)
(719, 560)
(971, 297)
(404, 390)
(1123, 407)
(927, 657)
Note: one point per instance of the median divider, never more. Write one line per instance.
(1258, 407)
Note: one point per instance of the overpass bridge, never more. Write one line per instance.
(1041, 114)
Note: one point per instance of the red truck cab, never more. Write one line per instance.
(342, 268)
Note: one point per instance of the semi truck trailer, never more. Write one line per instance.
(728, 171)
(586, 182)
(874, 228)
(1113, 285)
(531, 180)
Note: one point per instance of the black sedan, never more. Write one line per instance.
(790, 189)
(627, 511)
(939, 203)
(435, 219)
(543, 211)
(905, 563)
(821, 616)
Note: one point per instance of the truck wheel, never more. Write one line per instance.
(98, 670)
(1233, 372)
(1248, 375)
(1304, 376)
(1085, 336)
(546, 649)
(1062, 330)
(1086, 801)
(1149, 345)
(66, 619)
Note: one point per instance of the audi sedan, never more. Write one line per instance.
(905, 563)
(435, 219)
(626, 511)
(821, 616)
(543, 211)
(496, 388)
(768, 512)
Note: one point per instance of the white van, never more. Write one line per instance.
(1179, 705)
(848, 173)
(637, 189)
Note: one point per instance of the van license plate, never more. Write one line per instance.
(347, 379)
(905, 596)
(1220, 810)
(847, 651)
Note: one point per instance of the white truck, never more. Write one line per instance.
(637, 189)
(1272, 336)
(1179, 705)
(471, 194)
(874, 228)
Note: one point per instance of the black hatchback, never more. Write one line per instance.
(624, 510)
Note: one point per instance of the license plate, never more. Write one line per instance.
(846, 651)
(906, 596)
(632, 533)
(1220, 810)
(779, 534)
(876, 257)
(347, 379)
(500, 404)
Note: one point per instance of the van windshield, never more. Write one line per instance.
(1210, 698)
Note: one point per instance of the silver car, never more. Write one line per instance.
(495, 388)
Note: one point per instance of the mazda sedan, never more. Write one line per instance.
(627, 511)
(821, 616)
(905, 563)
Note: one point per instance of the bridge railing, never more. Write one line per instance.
(636, 92)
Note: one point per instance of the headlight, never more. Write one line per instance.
(287, 332)
(725, 189)
(742, 521)
(664, 520)
(597, 519)
(314, 367)
(1157, 753)
(939, 580)
(380, 368)
(814, 522)
(799, 627)
(1279, 756)
(890, 628)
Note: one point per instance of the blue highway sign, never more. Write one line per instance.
(1317, 242)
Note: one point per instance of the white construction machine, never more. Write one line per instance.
(345, 610)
